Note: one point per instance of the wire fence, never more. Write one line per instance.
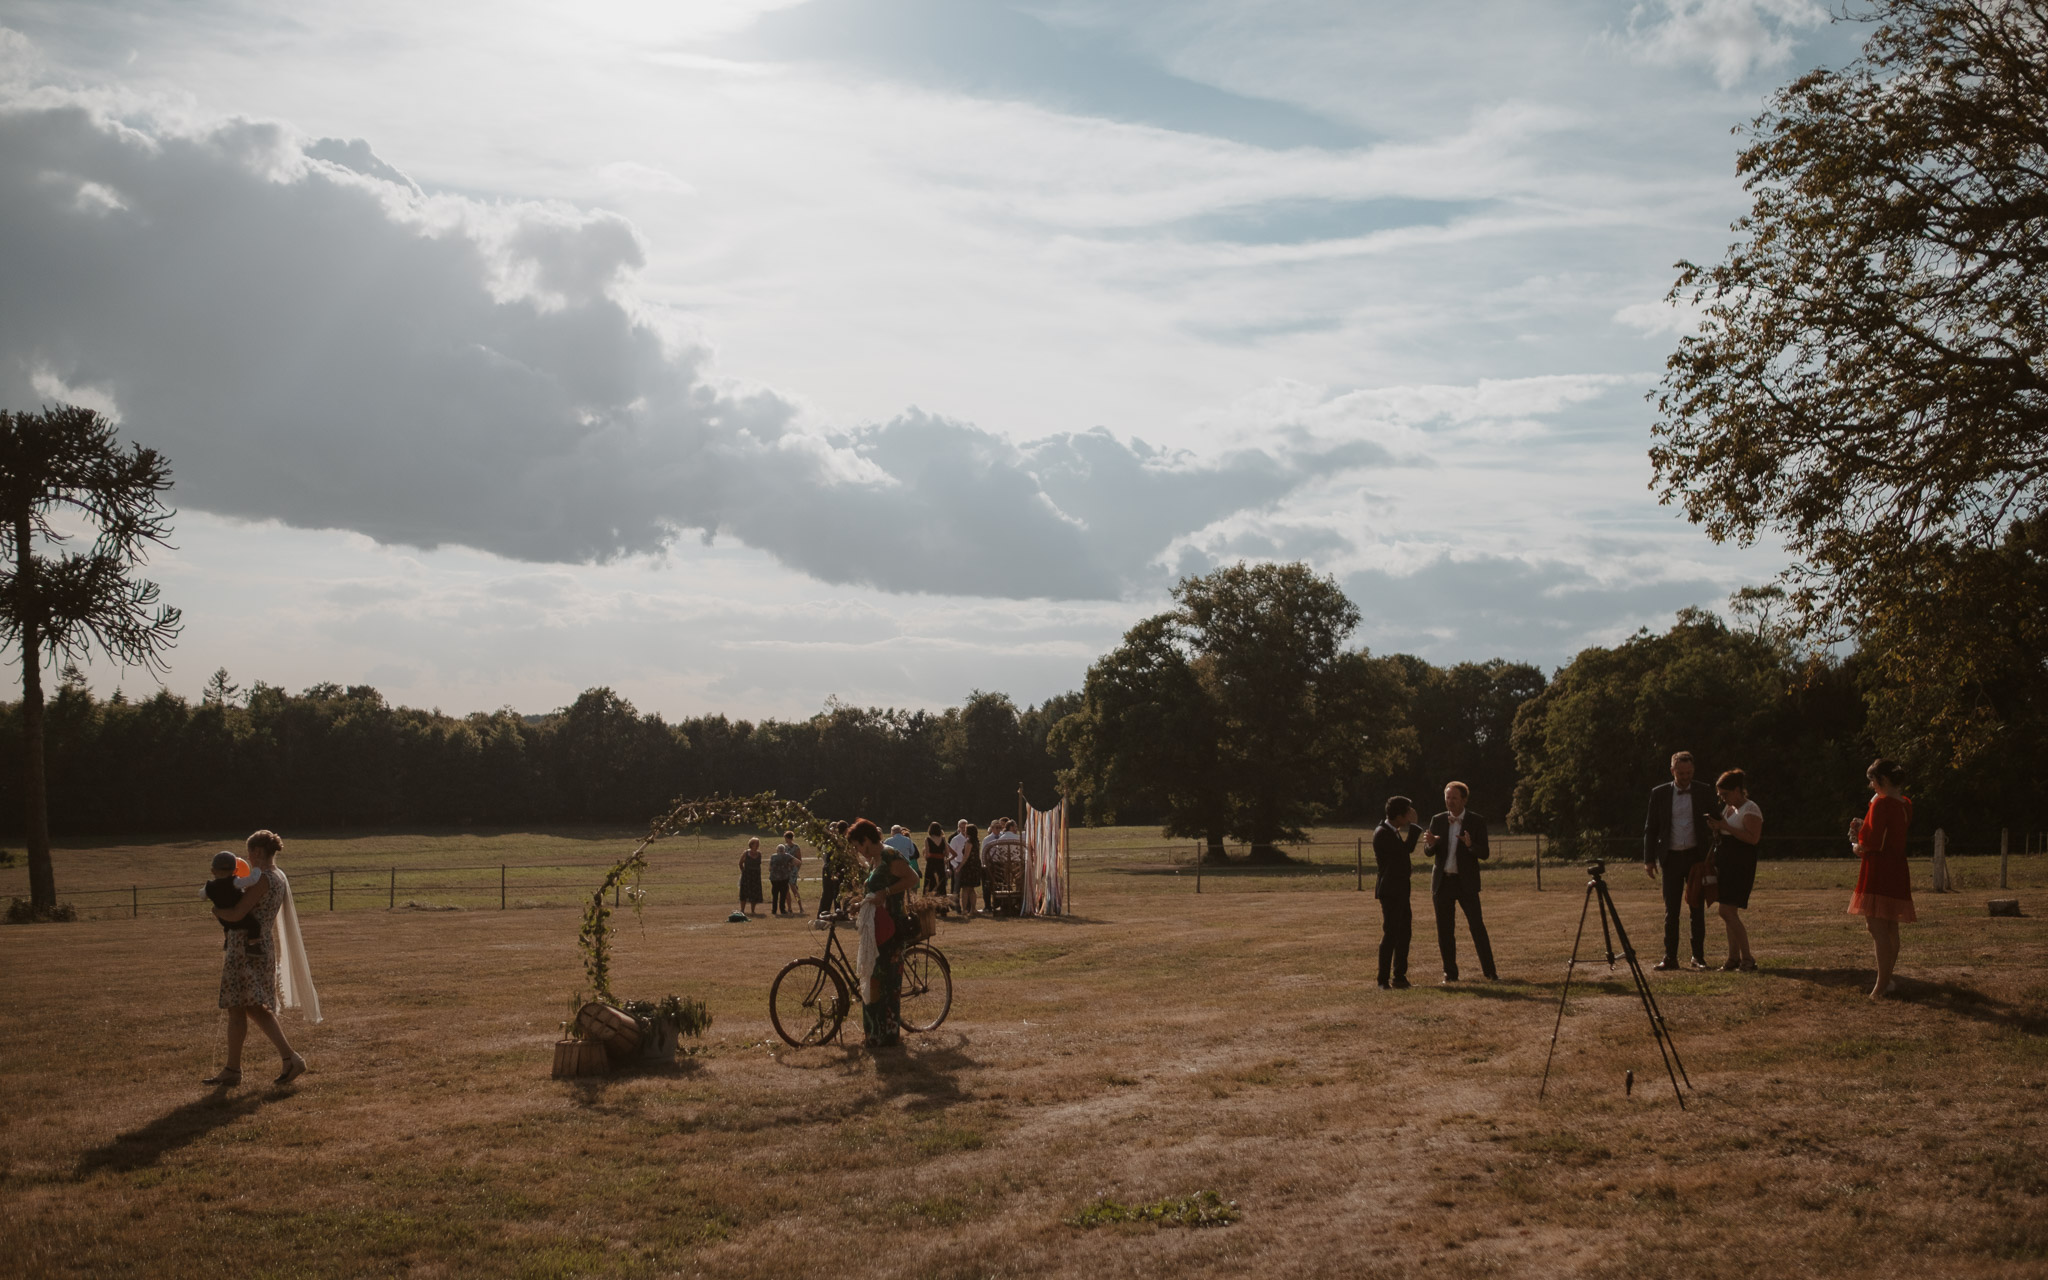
(1345, 854)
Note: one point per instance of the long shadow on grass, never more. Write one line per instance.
(1949, 997)
(179, 1127)
(1504, 989)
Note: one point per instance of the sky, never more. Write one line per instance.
(746, 354)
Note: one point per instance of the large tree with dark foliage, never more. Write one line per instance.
(64, 467)
(1593, 743)
(1146, 741)
(1463, 718)
(1240, 710)
(1869, 381)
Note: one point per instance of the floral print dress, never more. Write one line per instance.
(248, 974)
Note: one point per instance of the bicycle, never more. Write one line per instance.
(810, 998)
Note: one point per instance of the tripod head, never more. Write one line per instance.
(1596, 870)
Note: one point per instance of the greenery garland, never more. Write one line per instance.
(759, 812)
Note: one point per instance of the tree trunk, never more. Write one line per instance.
(1215, 856)
(1269, 854)
(42, 877)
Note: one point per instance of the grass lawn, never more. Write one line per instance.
(1159, 1044)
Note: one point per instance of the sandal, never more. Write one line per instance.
(293, 1069)
(225, 1076)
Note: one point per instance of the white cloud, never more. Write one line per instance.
(1660, 318)
(1731, 37)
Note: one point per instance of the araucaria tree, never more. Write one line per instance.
(1239, 712)
(63, 466)
(1869, 381)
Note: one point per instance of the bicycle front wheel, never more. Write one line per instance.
(927, 988)
(807, 1003)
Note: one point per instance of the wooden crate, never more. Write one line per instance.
(575, 1058)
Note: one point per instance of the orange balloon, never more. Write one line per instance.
(241, 867)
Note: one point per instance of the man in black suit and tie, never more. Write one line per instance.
(1675, 836)
(1457, 837)
(1392, 842)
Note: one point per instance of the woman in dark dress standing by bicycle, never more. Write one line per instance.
(884, 932)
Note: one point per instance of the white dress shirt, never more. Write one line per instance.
(1683, 835)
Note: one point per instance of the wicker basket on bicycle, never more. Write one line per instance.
(923, 910)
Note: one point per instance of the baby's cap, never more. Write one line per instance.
(223, 863)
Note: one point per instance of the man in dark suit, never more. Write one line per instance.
(1392, 842)
(1676, 836)
(1457, 837)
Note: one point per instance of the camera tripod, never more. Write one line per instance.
(1610, 929)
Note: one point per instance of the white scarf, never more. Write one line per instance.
(295, 976)
(870, 950)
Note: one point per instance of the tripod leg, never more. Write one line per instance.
(1667, 1048)
(1564, 995)
(1606, 935)
(1649, 996)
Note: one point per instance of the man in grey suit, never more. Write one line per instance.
(1457, 837)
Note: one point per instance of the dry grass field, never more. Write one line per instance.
(1160, 1043)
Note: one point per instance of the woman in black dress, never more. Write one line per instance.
(1740, 826)
(750, 878)
(970, 869)
(935, 855)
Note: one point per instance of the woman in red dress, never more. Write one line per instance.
(1884, 889)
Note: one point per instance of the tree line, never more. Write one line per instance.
(335, 757)
(1174, 727)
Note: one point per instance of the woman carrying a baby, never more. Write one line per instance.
(265, 968)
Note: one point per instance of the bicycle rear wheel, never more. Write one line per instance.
(927, 988)
(807, 1003)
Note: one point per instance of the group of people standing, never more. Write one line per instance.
(947, 867)
(1700, 840)
(1456, 840)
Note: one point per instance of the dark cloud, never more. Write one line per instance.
(310, 339)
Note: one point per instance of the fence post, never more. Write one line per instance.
(1539, 862)
(2004, 847)
(615, 893)
(134, 903)
(330, 888)
(1198, 866)
(501, 886)
(1361, 864)
(394, 888)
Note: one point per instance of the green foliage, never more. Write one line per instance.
(1463, 719)
(1203, 1209)
(1593, 743)
(22, 911)
(685, 1017)
(338, 757)
(1240, 713)
(60, 469)
(758, 812)
(1869, 382)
